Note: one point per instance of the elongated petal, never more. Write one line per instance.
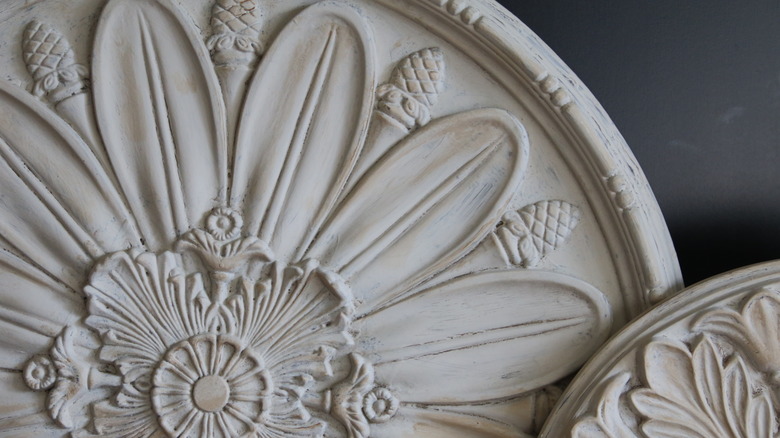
(305, 117)
(485, 335)
(59, 208)
(161, 115)
(434, 197)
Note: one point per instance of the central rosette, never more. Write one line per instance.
(218, 338)
(210, 379)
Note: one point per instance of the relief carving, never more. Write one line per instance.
(265, 246)
(528, 234)
(277, 219)
(719, 380)
(414, 86)
(50, 61)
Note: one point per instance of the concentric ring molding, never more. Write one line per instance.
(331, 195)
(703, 363)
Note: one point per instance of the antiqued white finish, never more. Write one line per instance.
(703, 364)
(291, 218)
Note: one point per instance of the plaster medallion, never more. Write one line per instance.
(703, 364)
(292, 218)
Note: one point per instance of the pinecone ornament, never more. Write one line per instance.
(51, 62)
(241, 17)
(414, 87)
(235, 26)
(421, 74)
(530, 233)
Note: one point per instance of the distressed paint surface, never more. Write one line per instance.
(292, 218)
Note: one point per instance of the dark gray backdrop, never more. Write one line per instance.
(694, 87)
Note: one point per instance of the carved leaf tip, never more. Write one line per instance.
(606, 422)
(528, 234)
(236, 27)
(51, 63)
(414, 87)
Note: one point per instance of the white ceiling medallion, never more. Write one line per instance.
(703, 364)
(277, 219)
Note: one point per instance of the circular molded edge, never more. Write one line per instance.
(677, 320)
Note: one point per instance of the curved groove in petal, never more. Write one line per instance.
(141, 304)
(33, 310)
(485, 336)
(19, 342)
(427, 203)
(47, 174)
(22, 411)
(304, 121)
(160, 112)
(668, 370)
(435, 423)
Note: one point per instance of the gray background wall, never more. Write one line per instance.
(694, 87)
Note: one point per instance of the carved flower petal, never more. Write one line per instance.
(485, 336)
(304, 120)
(755, 330)
(434, 423)
(692, 394)
(669, 371)
(289, 315)
(47, 173)
(160, 111)
(134, 419)
(429, 201)
(606, 423)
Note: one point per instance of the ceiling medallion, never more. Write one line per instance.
(703, 364)
(279, 227)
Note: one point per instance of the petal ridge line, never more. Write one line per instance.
(164, 129)
(430, 200)
(39, 190)
(577, 321)
(311, 103)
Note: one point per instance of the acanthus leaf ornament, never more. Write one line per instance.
(751, 331)
(348, 398)
(720, 381)
(257, 259)
(215, 349)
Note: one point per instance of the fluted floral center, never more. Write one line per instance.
(221, 337)
(210, 378)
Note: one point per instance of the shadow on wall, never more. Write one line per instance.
(708, 247)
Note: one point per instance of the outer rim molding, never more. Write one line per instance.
(646, 237)
(710, 349)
